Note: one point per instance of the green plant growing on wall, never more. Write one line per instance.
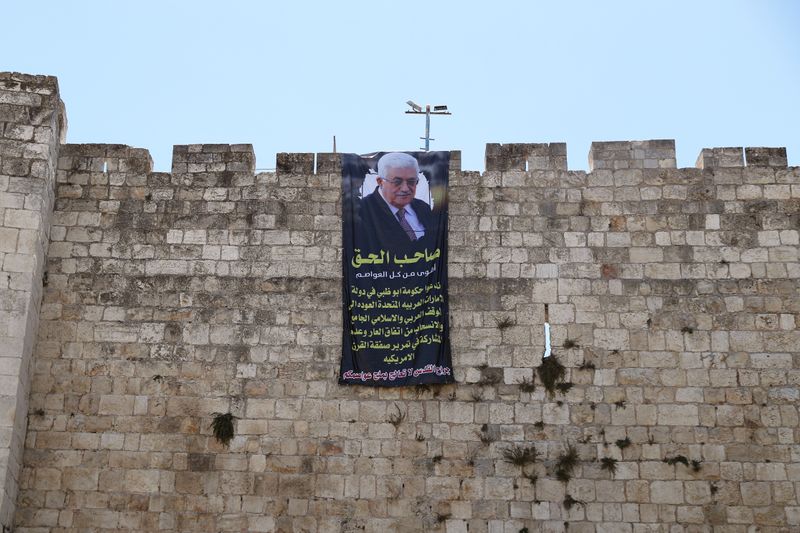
(623, 443)
(672, 461)
(570, 502)
(551, 372)
(564, 387)
(609, 464)
(570, 344)
(486, 435)
(504, 322)
(566, 463)
(530, 476)
(397, 418)
(520, 455)
(471, 457)
(222, 427)
(527, 385)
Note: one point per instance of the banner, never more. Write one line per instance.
(396, 320)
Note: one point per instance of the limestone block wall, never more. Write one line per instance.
(31, 128)
(672, 295)
(172, 297)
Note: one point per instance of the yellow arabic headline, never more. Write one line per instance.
(386, 257)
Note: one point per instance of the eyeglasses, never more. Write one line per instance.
(398, 182)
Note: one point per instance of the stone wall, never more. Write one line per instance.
(171, 297)
(31, 128)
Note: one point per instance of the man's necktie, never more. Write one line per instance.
(401, 216)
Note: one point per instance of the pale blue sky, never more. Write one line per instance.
(287, 76)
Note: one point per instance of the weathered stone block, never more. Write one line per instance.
(766, 157)
(720, 158)
(295, 164)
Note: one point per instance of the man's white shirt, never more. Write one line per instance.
(411, 216)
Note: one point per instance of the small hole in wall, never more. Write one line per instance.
(547, 347)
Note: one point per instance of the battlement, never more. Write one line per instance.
(78, 158)
(606, 155)
(207, 158)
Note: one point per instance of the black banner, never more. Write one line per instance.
(396, 320)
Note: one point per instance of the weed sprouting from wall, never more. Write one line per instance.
(609, 464)
(527, 385)
(520, 455)
(504, 322)
(570, 502)
(222, 427)
(672, 461)
(623, 443)
(566, 463)
(397, 418)
(551, 372)
(570, 344)
(487, 435)
(531, 477)
(564, 387)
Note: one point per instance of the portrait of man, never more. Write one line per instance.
(391, 216)
(394, 266)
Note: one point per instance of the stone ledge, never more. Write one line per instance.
(294, 163)
(728, 157)
(766, 157)
(202, 158)
(614, 155)
(104, 157)
(525, 156)
(17, 81)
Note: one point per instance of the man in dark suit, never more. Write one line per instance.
(391, 217)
